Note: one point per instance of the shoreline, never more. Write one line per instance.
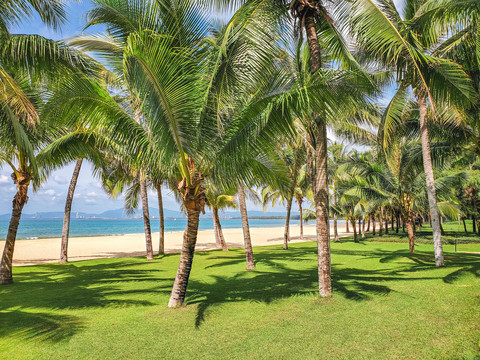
(47, 250)
(142, 234)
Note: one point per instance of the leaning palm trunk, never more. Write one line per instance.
(430, 180)
(321, 192)
(19, 200)
(161, 245)
(68, 211)
(335, 228)
(246, 229)
(194, 201)
(286, 234)
(219, 239)
(177, 297)
(146, 219)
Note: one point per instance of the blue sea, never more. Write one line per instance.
(37, 229)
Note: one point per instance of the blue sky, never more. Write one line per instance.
(89, 196)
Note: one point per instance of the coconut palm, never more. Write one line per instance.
(294, 185)
(218, 200)
(403, 41)
(29, 65)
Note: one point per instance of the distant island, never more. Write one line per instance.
(120, 214)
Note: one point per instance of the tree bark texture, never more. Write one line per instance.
(355, 237)
(161, 217)
(373, 225)
(146, 219)
(321, 193)
(300, 209)
(68, 211)
(411, 234)
(380, 221)
(363, 227)
(219, 232)
(19, 200)
(179, 290)
(246, 229)
(286, 233)
(335, 228)
(430, 181)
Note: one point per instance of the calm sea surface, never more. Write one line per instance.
(33, 229)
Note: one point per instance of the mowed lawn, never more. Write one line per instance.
(388, 304)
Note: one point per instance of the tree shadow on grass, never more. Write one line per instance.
(356, 284)
(31, 307)
(39, 326)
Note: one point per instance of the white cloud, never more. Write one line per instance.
(59, 179)
(50, 192)
(4, 179)
(92, 193)
(91, 201)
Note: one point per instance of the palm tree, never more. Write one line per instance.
(29, 65)
(402, 41)
(218, 200)
(294, 184)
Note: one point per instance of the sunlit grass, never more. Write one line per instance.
(387, 304)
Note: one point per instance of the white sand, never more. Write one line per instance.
(30, 252)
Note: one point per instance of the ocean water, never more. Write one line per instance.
(36, 229)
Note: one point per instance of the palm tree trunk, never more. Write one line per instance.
(359, 226)
(386, 223)
(179, 290)
(161, 243)
(474, 224)
(286, 234)
(335, 222)
(411, 234)
(19, 200)
(335, 228)
(310, 165)
(246, 229)
(430, 181)
(347, 229)
(215, 232)
(300, 209)
(68, 211)
(373, 224)
(219, 233)
(363, 227)
(464, 225)
(380, 221)
(369, 221)
(355, 238)
(146, 219)
(321, 192)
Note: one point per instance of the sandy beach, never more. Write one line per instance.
(39, 251)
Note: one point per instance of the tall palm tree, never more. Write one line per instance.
(29, 65)
(403, 41)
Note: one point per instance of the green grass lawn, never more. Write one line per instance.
(387, 304)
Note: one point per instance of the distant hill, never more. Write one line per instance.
(169, 214)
